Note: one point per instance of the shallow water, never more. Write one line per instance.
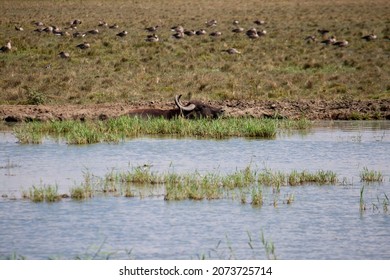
(323, 222)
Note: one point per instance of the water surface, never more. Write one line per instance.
(323, 222)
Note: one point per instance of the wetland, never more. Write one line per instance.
(317, 193)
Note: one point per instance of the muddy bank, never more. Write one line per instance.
(313, 110)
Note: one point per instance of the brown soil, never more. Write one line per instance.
(313, 110)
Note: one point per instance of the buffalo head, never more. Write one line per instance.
(197, 109)
(192, 110)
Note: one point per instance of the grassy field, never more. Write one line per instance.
(279, 65)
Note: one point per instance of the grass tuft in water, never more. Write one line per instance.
(45, 193)
(81, 192)
(370, 175)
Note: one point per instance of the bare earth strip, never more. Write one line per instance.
(312, 110)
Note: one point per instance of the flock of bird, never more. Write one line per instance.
(179, 32)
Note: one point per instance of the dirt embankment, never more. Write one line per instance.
(313, 110)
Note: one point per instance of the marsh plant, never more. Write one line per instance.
(362, 204)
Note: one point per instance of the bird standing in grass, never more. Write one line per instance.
(7, 47)
(63, 54)
(83, 46)
(122, 33)
(232, 51)
(369, 37)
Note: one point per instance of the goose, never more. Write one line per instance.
(232, 51)
(102, 23)
(122, 34)
(78, 34)
(235, 22)
(152, 28)
(189, 32)
(48, 29)
(93, 31)
(83, 46)
(262, 32)
(76, 22)
(238, 30)
(215, 34)
(330, 41)
(201, 32)
(252, 33)
(38, 23)
(211, 23)
(114, 26)
(7, 47)
(18, 28)
(369, 37)
(323, 31)
(61, 33)
(259, 22)
(152, 38)
(63, 54)
(342, 43)
(177, 28)
(310, 39)
(178, 35)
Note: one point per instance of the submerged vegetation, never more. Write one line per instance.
(247, 185)
(118, 129)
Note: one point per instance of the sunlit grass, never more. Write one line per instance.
(279, 65)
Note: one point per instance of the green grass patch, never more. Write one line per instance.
(118, 129)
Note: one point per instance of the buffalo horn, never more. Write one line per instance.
(189, 107)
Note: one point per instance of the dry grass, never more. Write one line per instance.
(279, 65)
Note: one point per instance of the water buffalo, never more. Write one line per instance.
(192, 110)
